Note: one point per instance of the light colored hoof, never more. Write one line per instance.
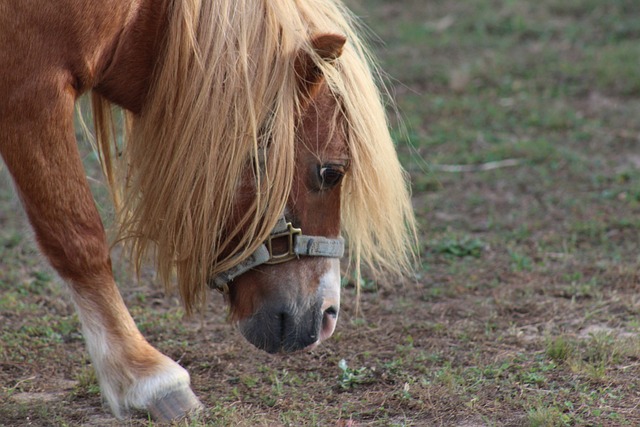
(175, 405)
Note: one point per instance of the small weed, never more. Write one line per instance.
(11, 241)
(87, 382)
(543, 416)
(559, 349)
(596, 372)
(588, 231)
(277, 383)
(349, 377)
(533, 378)
(405, 392)
(270, 401)
(601, 348)
(42, 276)
(459, 247)
(249, 381)
(447, 377)
(520, 262)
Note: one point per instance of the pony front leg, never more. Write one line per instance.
(132, 374)
(38, 145)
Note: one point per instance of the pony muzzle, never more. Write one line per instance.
(281, 326)
(280, 323)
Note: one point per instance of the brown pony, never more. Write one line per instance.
(255, 137)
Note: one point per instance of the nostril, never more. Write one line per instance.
(332, 311)
(329, 320)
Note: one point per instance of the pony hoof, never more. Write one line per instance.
(175, 405)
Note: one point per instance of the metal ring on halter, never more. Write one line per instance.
(298, 245)
(290, 254)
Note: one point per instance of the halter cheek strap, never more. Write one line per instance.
(298, 245)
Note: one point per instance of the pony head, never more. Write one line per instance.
(293, 302)
(262, 109)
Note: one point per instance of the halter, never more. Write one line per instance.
(297, 245)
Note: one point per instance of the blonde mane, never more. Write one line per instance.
(226, 84)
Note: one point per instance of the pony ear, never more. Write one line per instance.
(329, 48)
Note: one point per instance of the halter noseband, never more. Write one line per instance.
(297, 245)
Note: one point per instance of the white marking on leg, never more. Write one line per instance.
(170, 377)
(121, 386)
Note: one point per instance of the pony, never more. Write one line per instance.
(255, 137)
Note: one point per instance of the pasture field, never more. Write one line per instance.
(521, 132)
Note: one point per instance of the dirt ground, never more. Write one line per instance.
(520, 131)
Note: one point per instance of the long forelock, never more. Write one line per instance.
(377, 215)
(226, 83)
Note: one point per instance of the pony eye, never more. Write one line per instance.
(330, 176)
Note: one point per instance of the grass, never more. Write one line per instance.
(524, 310)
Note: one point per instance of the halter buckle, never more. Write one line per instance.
(290, 253)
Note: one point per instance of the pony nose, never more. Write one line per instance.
(284, 329)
